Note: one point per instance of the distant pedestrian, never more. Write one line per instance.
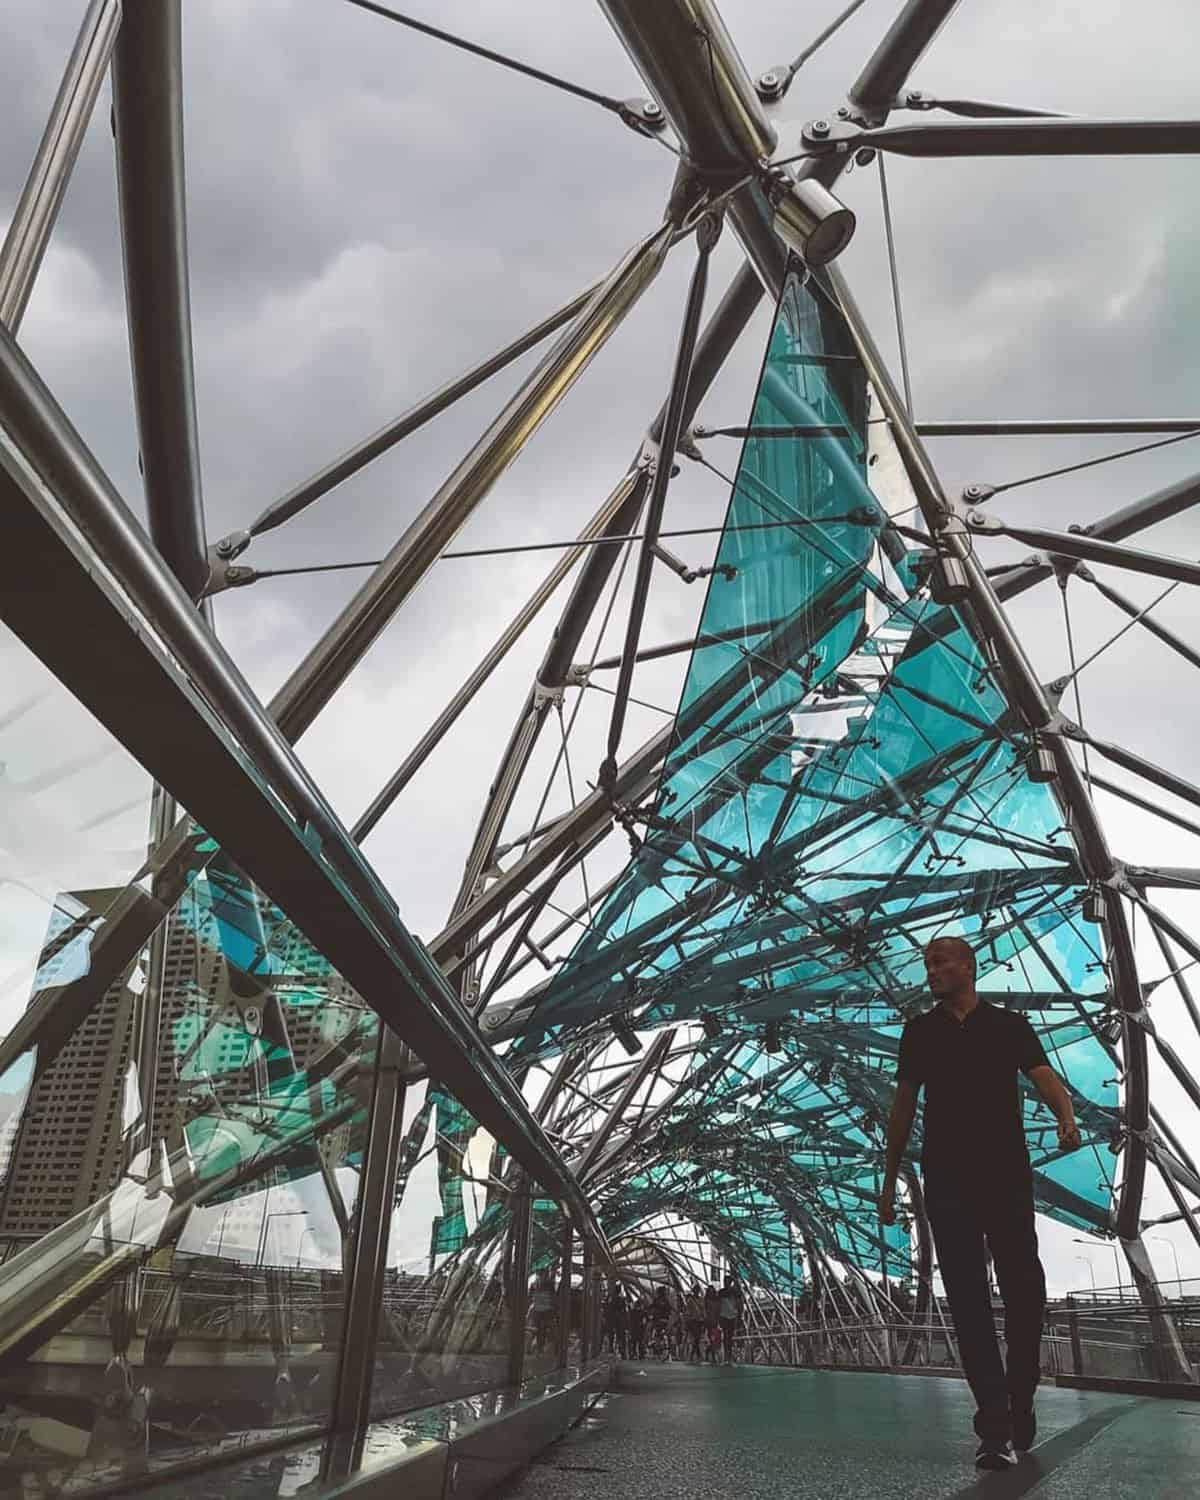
(542, 1304)
(712, 1323)
(729, 1311)
(693, 1320)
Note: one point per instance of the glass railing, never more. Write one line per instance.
(184, 1137)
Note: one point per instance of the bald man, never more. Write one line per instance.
(978, 1183)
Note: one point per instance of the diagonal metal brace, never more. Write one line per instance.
(707, 233)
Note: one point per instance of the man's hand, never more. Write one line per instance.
(887, 1203)
(1069, 1138)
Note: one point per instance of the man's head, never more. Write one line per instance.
(950, 968)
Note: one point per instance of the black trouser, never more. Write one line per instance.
(727, 1327)
(962, 1222)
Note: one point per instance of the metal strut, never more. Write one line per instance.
(708, 231)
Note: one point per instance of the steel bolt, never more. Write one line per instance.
(977, 518)
(769, 80)
(651, 110)
(973, 492)
(819, 127)
(843, 112)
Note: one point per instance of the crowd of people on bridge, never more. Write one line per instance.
(697, 1325)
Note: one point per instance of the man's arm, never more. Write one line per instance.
(1052, 1089)
(900, 1123)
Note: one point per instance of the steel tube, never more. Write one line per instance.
(1063, 427)
(594, 813)
(638, 1074)
(186, 705)
(1088, 549)
(687, 57)
(724, 328)
(373, 1223)
(37, 208)
(437, 731)
(706, 237)
(343, 645)
(1034, 137)
(414, 418)
(1035, 707)
(148, 122)
(905, 43)
(521, 1201)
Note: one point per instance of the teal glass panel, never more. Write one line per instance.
(845, 781)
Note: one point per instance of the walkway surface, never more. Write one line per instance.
(763, 1434)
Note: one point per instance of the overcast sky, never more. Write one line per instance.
(370, 212)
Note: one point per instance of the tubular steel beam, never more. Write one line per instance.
(1030, 137)
(373, 1222)
(127, 641)
(722, 332)
(1060, 427)
(647, 33)
(408, 422)
(1087, 548)
(706, 239)
(148, 122)
(1030, 699)
(683, 51)
(907, 39)
(1162, 505)
(343, 645)
(37, 208)
(437, 731)
(585, 819)
(643, 1069)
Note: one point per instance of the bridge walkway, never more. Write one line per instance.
(756, 1433)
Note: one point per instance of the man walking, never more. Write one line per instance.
(979, 1183)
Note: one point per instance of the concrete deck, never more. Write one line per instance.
(771, 1434)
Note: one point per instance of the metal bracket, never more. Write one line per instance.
(833, 137)
(643, 114)
(224, 573)
(578, 674)
(773, 83)
(544, 694)
(231, 546)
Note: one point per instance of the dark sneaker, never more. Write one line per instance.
(995, 1453)
(1024, 1425)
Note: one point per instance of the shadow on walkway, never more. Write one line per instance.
(757, 1433)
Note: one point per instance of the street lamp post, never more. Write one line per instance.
(1116, 1259)
(1162, 1240)
(1087, 1260)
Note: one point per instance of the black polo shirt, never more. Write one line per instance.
(974, 1136)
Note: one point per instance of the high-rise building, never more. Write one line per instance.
(63, 1150)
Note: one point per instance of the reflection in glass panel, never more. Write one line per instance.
(447, 1310)
(177, 1232)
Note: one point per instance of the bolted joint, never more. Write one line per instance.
(578, 674)
(545, 693)
(773, 83)
(643, 114)
(233, 545)
(978, 494)
(224, 575)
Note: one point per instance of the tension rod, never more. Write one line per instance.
(707, 233)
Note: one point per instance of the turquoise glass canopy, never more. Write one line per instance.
(846, 780)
